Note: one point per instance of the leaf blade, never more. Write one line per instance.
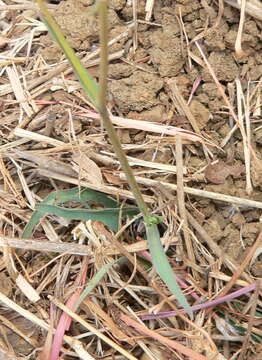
(89, 84)
(163, 268)
(109, 217)
(62, 196)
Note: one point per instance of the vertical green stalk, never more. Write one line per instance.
(103, 19)
(159, 258)
(98, 97)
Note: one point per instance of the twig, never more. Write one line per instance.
(163, 340)
(91, 328)
(245, 133)
(237, 273)
(153, 127)
(251, 322)
(135, 162)
(238, 48)
(149, 9)
(183, 106)
(206, 305)
(36, 137)
(135, 37)
(67, 248)
(202, 193)
(181, 202)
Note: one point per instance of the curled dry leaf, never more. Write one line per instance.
(87, 169)
(218, 172)
(46, 162)
(113, 179)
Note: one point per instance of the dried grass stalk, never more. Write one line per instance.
(253, 7)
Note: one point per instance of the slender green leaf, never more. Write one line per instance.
(162, 266)
(81, 196)
(160, 260)
(95, 280)
(109, 217)
(88, 83)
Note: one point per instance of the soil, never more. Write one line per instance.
(138, 89)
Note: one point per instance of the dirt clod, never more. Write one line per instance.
(223, 65)
(166, 53)
(136, 93)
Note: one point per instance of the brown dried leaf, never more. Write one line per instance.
(47, 163)
(113, 179)
(218, 172)
(87, 169)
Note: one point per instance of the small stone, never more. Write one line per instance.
(117, 4)
(119, 71)
(217, 216)
(255, 72)
(215, 38)
(231, 242)
(251, 229)
(211, 90)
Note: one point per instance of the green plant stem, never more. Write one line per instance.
(98, 96)
(159, 258)
(104, 112)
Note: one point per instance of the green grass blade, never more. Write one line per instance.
(29, 228)
(162, 266)
(63, 196)
(109, 217)
(82, 196)
(89, 84)
(160, 260)
(95, 280)
(35, 218)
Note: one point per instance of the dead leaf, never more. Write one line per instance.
(87, 169)
(47, 163)
(218, 172)
(113, 179)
